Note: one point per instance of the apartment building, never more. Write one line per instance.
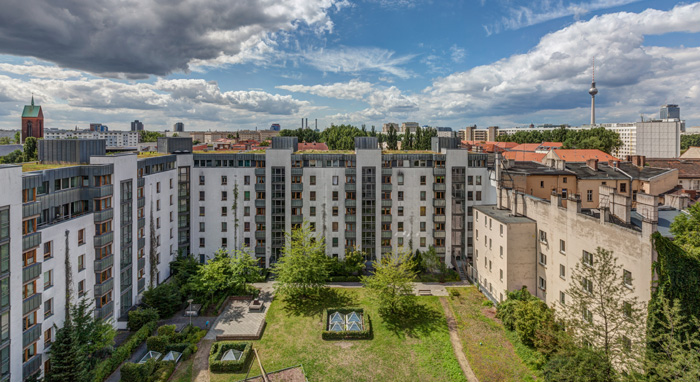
(106, 227)
(112, 138)
(551, 239)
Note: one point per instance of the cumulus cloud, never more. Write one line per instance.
(356, 60)
(136, 38)
(541, 11)
(354, 89)
(40, 71)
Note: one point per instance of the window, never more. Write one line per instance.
(627, 309)
(48, 308)
(626, 344)
(224, 180)
(246, 195)
(589, 195)
(400, 229)
(224, 242)
(423, 180)
(335, 226)
(501, 230)
(335, 211)
(157, 187)
(312, 195)
(422, 241)
(562, 271)
(400, 211)
(565, 179)
(564, 193)
(501, 251)
(201, 242)
(562, 298)
(224, 211)
(501, 273)
(627, 277)
(29, 352)
(48, 279)
(246, 211)
(312, 180)
(478, 180)
(400, 195)
(623, 187)
(422, 211)
(335, 195)
(400, 179)
(335, 241)
(201, 227)
(541, 183)
(312, 211)
(587, 285)
(81, 236)
(201, 180)
(543, 237)
(422, 195)
(29, 257)
(47, 250)
(542, 284)
(224, 227)
(335, 180)
(81, 263)
(562, 246)
(224, 196)
(588, 258)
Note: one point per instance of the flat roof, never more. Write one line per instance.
(666, 216)
(502, 215)
(29, 167)
(534, 168)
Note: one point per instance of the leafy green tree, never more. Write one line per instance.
(675, 355)
(686, 228)
(530, 316)
(690, 140)
(30, 149)
(5, 141)
(227, 272)
(602, 311)
(342, 137)
(95, 336)
(595, 138)
(303, 135)
(392, 139)
(18, 137)
(391, 285)
(354, 261)
(176, 135)
(407, 141)
(65, 355)
(302, 270)
(14, 157)
(149, 136)
(165, 298)
(583, 365)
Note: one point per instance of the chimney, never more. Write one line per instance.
(593, 164)
(316, 123)
(637, 160)
(574, 204)
(302, 122)
(555, 199)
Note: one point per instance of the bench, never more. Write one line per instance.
(425, 292)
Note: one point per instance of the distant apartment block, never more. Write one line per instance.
(137, 125)
(209, 137)
(113, 138)
(178, 127)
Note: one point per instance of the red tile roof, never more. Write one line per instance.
(319, 146)
(687, 168)
(582, 155)
(526, 147)
(524, 156)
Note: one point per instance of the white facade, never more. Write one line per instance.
(113, 138)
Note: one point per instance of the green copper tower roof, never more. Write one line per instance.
(31, 111)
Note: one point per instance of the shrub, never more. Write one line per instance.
(366, 334)
(165, 298)
(140, 317)
(584, 365)
(166, 330)
(454, 292)
(163, 371)
(530, 316)
(157, 343)
(506, 309)
(138, 372)
(123, 352)
(487, 303)
(217, 351)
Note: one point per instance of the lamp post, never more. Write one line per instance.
(189, 313)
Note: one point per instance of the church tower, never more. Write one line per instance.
(32, 121)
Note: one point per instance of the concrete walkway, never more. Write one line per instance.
(456, 342)
(200, 365)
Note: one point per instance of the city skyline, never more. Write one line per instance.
(489, 63)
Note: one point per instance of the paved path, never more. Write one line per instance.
(436, 289)
(456, 342)
(200, 366)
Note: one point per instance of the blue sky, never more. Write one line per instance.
(222, 65)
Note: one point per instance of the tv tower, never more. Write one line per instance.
(593, 91)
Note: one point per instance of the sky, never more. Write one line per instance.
(229, 65)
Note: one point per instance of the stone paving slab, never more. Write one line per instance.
(238, 321)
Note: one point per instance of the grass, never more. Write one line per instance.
(409, 152)
(183, 372)
(325, 152)
(212, 151)
(493, 353)
(35, 166)
(150, 154)
(414, 348)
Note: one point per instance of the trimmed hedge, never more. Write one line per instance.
(217, 351)
(366, 334)
(123, 352)
(138, 372)
(140, 317)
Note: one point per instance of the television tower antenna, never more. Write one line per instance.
(593, 91)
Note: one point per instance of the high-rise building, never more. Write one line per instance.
(98, 127)
(670, 111)
(136, 125)
(275, 127)
(32, 121)
(179, 127)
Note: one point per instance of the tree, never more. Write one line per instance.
(595, 138)
(5, 141)
(392, 139)
(583, 365)
(303, 135)
(227, 272)
(30, 149)
(675, 355)
(407, 142)
(94, 335)
(531, 316)
(602, 310)
(265, 143)
(18, 137)
(65, 357)
(686, 228)
(690, 140)
(149, 136)
(342, 137)
(165, 298)
(14, 157)
(391, 285)
(302, 269)
(184, 269)
(354, 261)
(175, 135)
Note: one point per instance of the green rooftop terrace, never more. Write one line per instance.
(36, 166)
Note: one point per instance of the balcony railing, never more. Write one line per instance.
(439, 171)
(296, 203)
(260, 203)
(259, 235)
(439, 234)
(141, 243)
(439, 203)
(259, 187)
(297, 219)
(104, 263)
(105, 311)
(31, 303)
(104, 215)
(386, 203)
(350, 187)
(386, 234)
(350, 234)
(104, 239)
(297, 187)
(386, 171)
(386, 187)
(440, 250)
(140, 223)
(31, 272)
(141, 263)
(386, 218)
(350, 218)
(141, 284)
(31, 367)
(439, 187)
(297, 171)
(140, 202)
(260, 171)
(259, 218)
(30, 335)
(101, 192)
(439, 218)
(31, 241)
(260, 251)
(101, 289)
(350, 171)
(386, 249)
(350, 202)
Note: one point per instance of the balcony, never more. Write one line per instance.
(458, 179)
(105, 311)
(104, 263)
(296, 203)
(183, 194)
(101, 289)
(30, 241)
(440, 250)
(350, 234)
(350, 218)
(386, 234)
(141, 284)
(386, 203)
(140, 202)
(439, 234)
(31, 272)
(386, 171)
(104, 239)
(439, 171)
(297, 187)
(297, 171)
(297, 219)
(439, 203)
(259, 187)
(386, 218)
(350, 187)
(386, 187)
(31, 209)
(260, 219)
(386, 249)
(260, 235)
(350, 202)
(439, 218)
(31, 367)
(141, 243)
(141, 263)
(350, 171)
(439, 187)
(140, 182)
(101, 192)
(140, 223)
(260, 171)
(260, 251)
(32, 303)
(30, 335)
(104, 215)
(259, 203)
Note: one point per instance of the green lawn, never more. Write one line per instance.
(416, 349)
(493, 353)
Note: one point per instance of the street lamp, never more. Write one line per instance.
(189, 313)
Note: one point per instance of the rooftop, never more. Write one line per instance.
(582, 155)
(324, 151)
(691, 153)
(408, 152)
(534, 168)
(644, 173)
(604, 171)
(524, 156)
(666, 217)
(502, 215)
(36, 166)
(687, 168)
(150, 154)
(216, 151)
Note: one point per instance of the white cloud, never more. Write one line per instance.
(39, 71)
(457, 54)
(545, 10)
(354, 89)
(356, 60)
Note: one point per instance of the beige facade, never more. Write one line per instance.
(209, 137)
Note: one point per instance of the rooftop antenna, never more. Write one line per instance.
(593, 91)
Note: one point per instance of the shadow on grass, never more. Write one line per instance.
(414, 320)
(313, 305)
